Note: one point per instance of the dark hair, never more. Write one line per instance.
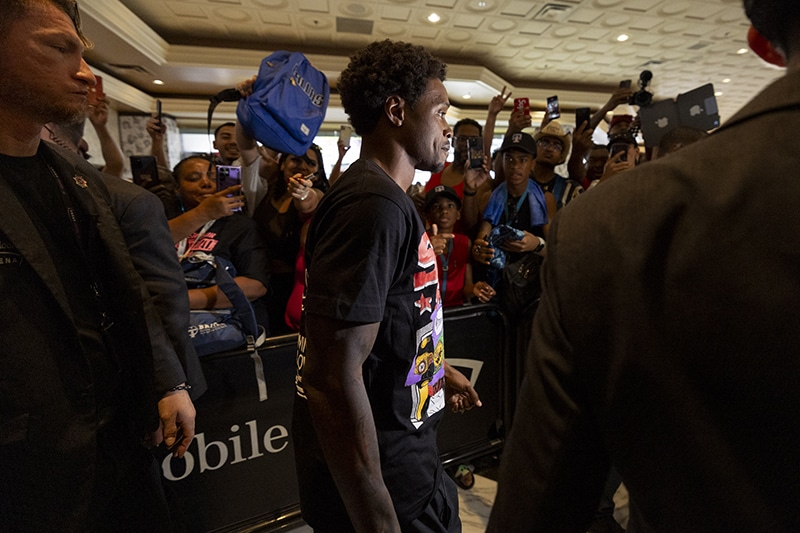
(384, 69)
(467, 122)
(216, 131)
(177, 169)
(777, 20)
(11, 10)
(321, 182)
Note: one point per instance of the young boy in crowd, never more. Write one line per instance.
(442, 211)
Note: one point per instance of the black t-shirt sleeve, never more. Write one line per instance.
(358, 256)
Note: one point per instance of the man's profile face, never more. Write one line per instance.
(225, 143)
(427, 132)
(45, 78)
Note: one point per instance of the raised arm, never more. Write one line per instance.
(495, 106)
(112, 155)
(340, 410)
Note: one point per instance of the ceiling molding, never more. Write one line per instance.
(128, 27)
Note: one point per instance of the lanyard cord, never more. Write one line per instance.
(445, 261)
(105, 320)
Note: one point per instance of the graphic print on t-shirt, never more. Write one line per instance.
(426, 377)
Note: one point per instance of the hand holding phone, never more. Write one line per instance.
(344, 134)
(522, 104)
(582, 114)
(229, 176)
(145, 171)
(553, 109)
(475, 152)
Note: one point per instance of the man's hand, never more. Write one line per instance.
(475, 177)
(245, 88)
(620, 96)
(98, 114)
(620, 162)
(498, 101)
(518, 121)
(155, 129)
(459, 393)
(483, 291)
(582, 139)
(481, 251)
(528, 243)
(439, 241)
(176, 429)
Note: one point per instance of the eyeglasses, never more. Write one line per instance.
(547, 143)
(466, 138)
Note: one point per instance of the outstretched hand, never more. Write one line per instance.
(459, 393)
(439, 240)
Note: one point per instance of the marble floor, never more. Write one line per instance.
(475, 505)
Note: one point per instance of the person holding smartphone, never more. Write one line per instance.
(232, 235)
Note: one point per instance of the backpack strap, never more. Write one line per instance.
(239, 301)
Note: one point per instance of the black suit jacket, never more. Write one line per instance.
(667, 342)
(48, 408)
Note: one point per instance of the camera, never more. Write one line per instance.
(642, 97)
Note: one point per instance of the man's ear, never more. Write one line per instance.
(764, 49)
(394, 107)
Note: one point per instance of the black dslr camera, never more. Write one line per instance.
(642, 97)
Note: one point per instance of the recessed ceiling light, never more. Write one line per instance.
(467, 96)
(726, 80)
(434, 18)
(718, 93)
(158, 82)
(622, 37)
(741, 51)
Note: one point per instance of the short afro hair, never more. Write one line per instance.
(777, 20)
(467, 122)
(384, 69)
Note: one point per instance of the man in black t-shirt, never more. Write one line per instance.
(372, 381)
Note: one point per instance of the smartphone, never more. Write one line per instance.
(228, 176)
(158, 112)
(475, 152)
(617, 148)
(582, 114)
(553, 111)
(96, 93)
(144, 170)
(625, 84)
(522, 104)
(344, 134)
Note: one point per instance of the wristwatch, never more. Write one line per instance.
(540, 247)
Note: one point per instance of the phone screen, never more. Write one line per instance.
(617, 148)
(228, 176)
(522, 104)
(158, 111)
(344, 134)
(475, 152)
(144, 170)
(553, 111)
(625, 84)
